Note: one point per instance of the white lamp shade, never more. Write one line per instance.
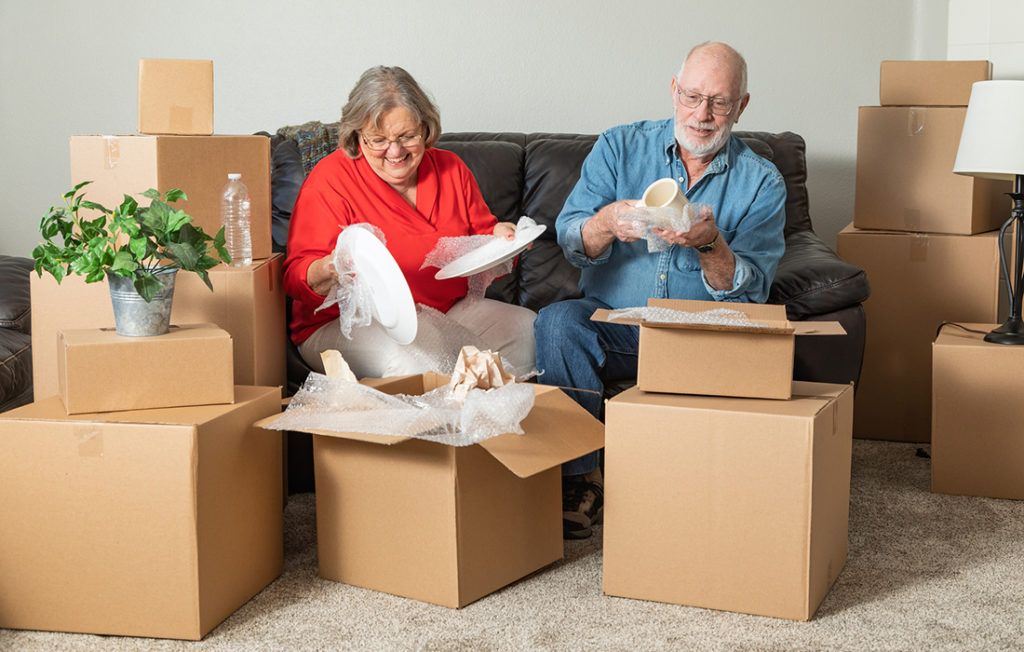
(992, 140)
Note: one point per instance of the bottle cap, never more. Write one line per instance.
(234, 175)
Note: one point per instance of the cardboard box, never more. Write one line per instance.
(722, 360)
(156, 523)
(446, 524)
(101, 371)
(930, 83)
(198, 165)
(918, 281)
(247, 302)
(905, 177)
(977, 441)
(175, 96)
(732, 504)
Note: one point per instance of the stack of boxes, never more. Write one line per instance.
(139, 498)
(927, 238)
(727, 484)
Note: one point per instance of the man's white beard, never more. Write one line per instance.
(706, 148)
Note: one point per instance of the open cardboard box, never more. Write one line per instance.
(439, 523)
(753, 361)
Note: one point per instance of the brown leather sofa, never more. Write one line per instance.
(532, 174)
(15, 332)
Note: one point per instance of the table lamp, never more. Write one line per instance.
(992, 146)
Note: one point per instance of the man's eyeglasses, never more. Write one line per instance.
(719, 105)
(379, 144)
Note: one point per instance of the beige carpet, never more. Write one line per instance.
(925, 572)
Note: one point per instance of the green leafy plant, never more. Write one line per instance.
(130, 240)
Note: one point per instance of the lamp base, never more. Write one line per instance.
(1011, 332)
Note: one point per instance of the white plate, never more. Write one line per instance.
(490, 254)
(392, 300)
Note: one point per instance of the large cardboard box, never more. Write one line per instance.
(918, 281)
(977, 439)
(446, 524)
(198, 165)
(247, 302)
(156, 523)
(905, 177)
(751, 359)
(101, 371)
(175, 97)
(930, 83)
(732, 504)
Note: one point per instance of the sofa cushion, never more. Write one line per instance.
(288, 176)
(15, 302)
(789, 156)
(813, 280)
(15, 368)
(498, 169)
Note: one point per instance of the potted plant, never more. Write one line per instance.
(139, 249)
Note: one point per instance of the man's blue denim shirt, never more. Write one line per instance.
(746, 192)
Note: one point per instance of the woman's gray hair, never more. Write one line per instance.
(379, 90)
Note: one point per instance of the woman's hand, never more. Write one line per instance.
(505, 230)
(321, 275)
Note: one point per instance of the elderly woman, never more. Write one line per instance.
(386, 173)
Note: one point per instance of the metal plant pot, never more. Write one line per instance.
(132, 315)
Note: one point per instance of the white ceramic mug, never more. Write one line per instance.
(664, 193)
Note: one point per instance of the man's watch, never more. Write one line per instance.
(709, 247)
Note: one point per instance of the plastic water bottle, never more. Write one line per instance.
(236, 217)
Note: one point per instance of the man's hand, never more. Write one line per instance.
(321, 275)
(701, 233)
(608, 225)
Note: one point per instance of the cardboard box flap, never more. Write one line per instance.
(807, 400)
(556, 430)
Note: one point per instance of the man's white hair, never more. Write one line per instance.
(734, 58)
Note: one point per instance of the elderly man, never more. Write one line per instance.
(730, 256)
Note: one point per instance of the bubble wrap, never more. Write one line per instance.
(351, 293)
(717, 317)
(448, 249)
(667, 218)
(325, 403)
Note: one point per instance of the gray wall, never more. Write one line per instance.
(70, 67)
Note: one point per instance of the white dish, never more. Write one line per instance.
(490, 254)
(393, 306)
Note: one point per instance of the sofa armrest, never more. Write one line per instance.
(15, 308)
(813, 280)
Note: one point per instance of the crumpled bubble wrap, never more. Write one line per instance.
(325, 403)
(667, 218)
(717, 317)
(448, 249)
(351, 293)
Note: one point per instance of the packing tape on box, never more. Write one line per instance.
(918, 245)
(112, 155)
(180, 119)
(915, 122)
(90, 440)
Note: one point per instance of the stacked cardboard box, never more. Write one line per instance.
(139, 497)
(926, 237)
(977, 443)
(715, 501)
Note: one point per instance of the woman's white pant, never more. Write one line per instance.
(484, 323)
